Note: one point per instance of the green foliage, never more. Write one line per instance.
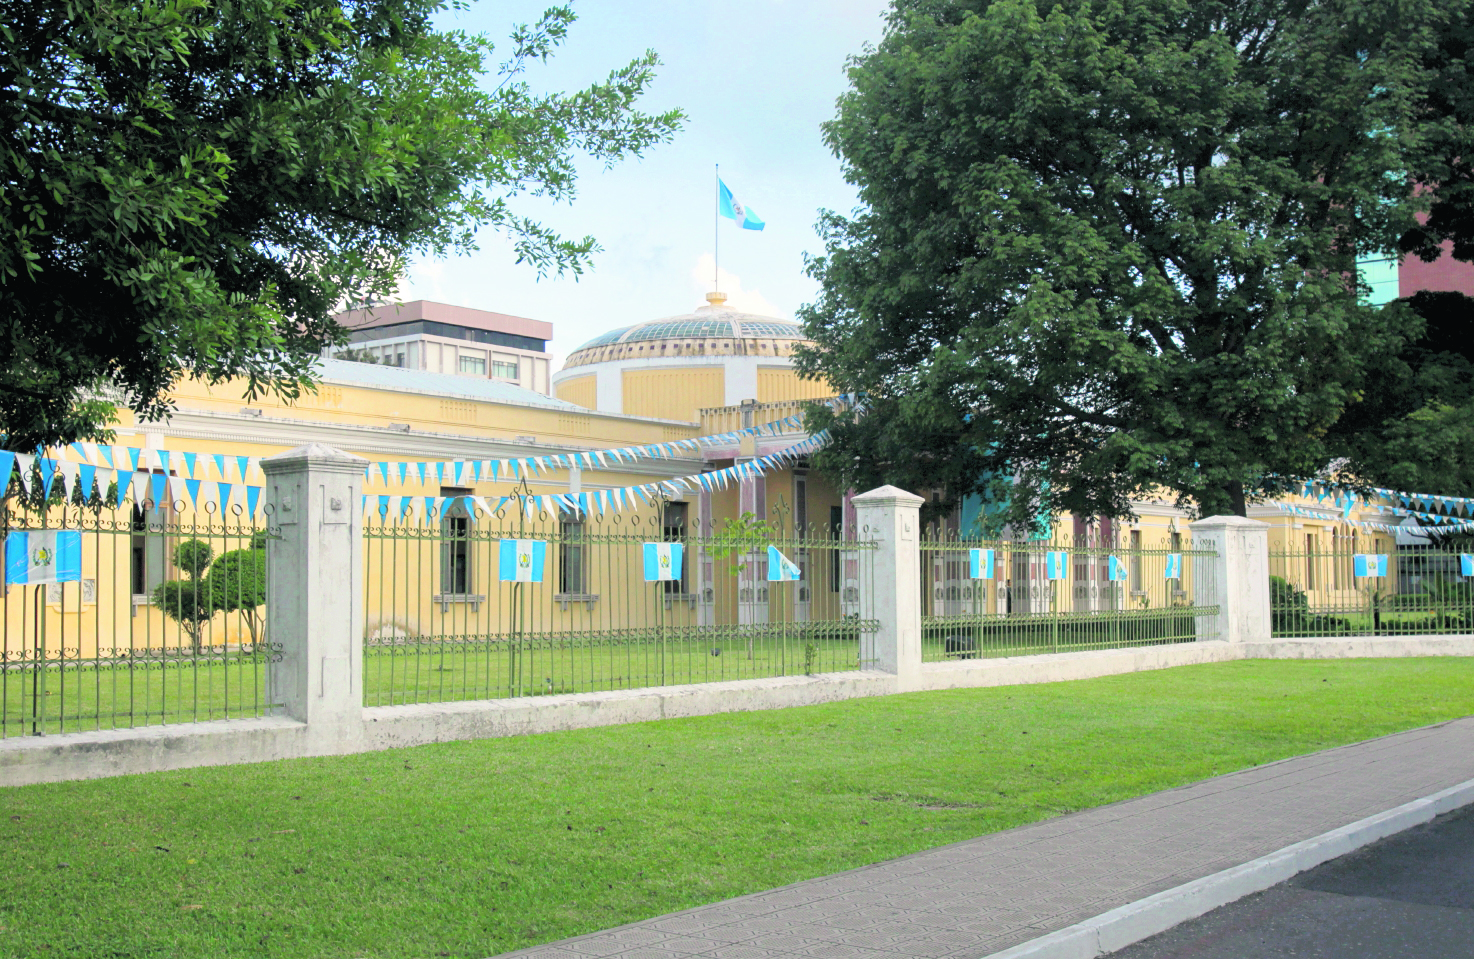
(237, 583)
(1106, 249)
(234, 583)
(1410, 426)
(357, 355)
(405, 848)
(187, 601)
(740, 535)
(191, 188)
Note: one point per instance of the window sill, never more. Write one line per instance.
(563, 599)
(445, 599)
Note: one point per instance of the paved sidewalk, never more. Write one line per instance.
(974, 898)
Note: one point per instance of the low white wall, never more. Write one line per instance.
(92, 755)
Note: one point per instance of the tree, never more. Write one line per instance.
(1109, 249)
(1410, 425)
(187, 601)
(189, 188)
(237, 584)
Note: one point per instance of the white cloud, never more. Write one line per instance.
(748, 301)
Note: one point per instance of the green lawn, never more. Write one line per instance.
(470, 849)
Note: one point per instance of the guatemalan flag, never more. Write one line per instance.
(522, 560)
(662, 561)
(980, 563)
(781, 568)
(1116, 569)
(733, 209)
(1055, 564)
(43, 556)
(1466, 563)
(1370, 564)
(1174, 566)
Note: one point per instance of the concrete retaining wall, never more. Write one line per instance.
(149, 749)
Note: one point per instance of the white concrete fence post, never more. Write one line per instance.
(891, 517)
(1235, 579)
(314, 604)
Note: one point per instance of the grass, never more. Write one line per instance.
(470, 849)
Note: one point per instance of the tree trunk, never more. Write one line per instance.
(1236, 499)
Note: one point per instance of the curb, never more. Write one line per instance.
(1124, 925)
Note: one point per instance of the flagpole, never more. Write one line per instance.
(716, 232)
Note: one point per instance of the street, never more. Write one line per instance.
(1410, 896)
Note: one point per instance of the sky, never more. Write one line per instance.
(756, 78)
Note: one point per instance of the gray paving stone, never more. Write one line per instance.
(974, 898)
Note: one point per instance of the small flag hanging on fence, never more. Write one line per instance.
(1466, 563)
(1174, 566)
(43, 556)
(781, 568)
(1370, 564)
(981, 563)
(522, 560)
(662, 561)
(1056, 564)
(1116, 569)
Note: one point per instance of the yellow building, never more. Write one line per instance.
(432, 573)
(672, 368)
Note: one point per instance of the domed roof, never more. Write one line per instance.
(713, 330)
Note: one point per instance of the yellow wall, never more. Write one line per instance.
(582, 390)
(368, 406)
(779, 383)
(673, 393)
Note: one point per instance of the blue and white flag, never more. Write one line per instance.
(1116, 569)
(1056, 564)
(732, 209)
(1466, 563)
(522, 560)
(1174, 566)
(1370, 564)
(662, 561)
(781, 568)
(43, 556)
(981, 563)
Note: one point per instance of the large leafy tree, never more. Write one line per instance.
(1108, 248)
(1411, 425)
(190, 187)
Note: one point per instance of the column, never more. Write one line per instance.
(890, 590)
(315, 587)
(1235, 578)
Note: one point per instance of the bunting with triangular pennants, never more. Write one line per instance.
(226, 480)
(1444, 524)
(590, 502)
(142, 474)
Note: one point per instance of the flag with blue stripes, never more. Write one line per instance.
(1174, 566)
(1370, 564)
(981, 563)
(1116, 569)
(1056, 564)
(732, 209)
(43, 556)
(662, 561)
(1466, 563)
(781, 568)
(522, 560)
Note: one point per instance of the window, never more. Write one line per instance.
(572, 572)
(504, 370)
(836, 530)
(455, 545)
(148, 558)
(674, 524)
(473, 364)
(1136, 561)
(1310, 561)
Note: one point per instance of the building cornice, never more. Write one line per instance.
(279, 431)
